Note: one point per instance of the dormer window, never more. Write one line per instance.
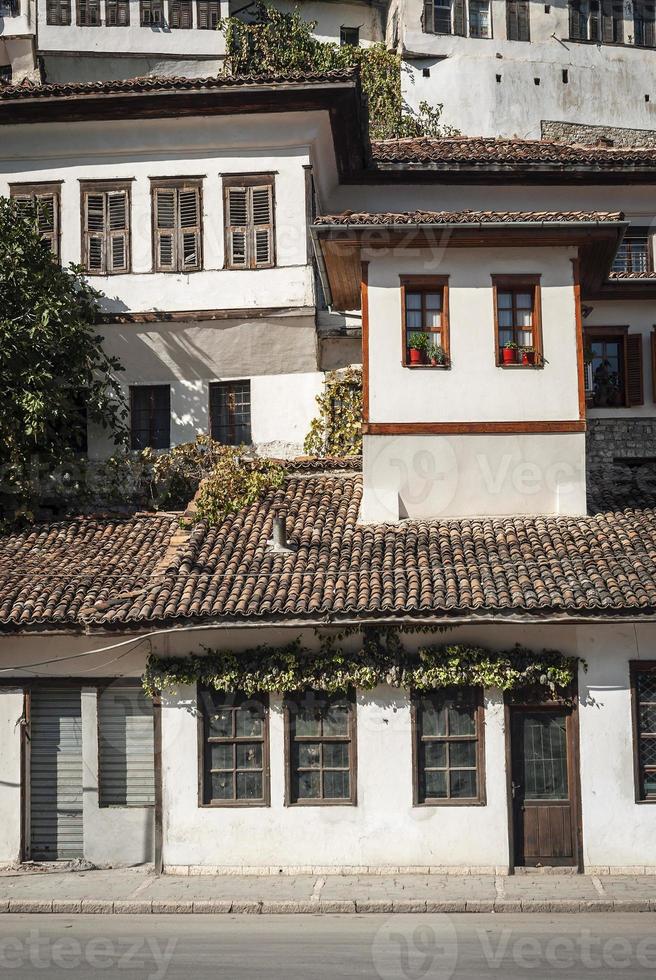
(425, 321)
(518, 338)
(634, 254)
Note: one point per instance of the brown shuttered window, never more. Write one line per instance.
(41, 201)
(151, 13)
(150, 416)
(235, 748)
(177, 226)
(517, 20)
(612, 22)
(615, 373)
(117, 13)
(58, 12)
(88, 13)
(643, 687)
(249, 222)
(644, 24)
(180, 14)
(448, 750)
(106, 229)
(208, 15)
(634, 387)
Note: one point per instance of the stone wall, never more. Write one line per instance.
(566, 132)
(619, 438)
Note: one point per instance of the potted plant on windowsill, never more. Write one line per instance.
(418, 348)
(436, 355)
(528, 355)
(509, 353)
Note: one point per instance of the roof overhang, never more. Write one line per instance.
(539, 172)
(339, 247)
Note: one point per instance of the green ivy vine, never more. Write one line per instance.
(337, 428)
(382, 659)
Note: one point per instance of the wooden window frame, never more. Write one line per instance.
(519, 283)
(117, 5)
(175, 13)
(209, 4)
(106, 187)
(648, 25)
(344, 33)
(204, 741)
(638, 232)
(212, 429)
(248, 182)
(33, 192)
(148, 5)
(637, 667)
(290, 738)
(58, 21)
(94, 3)
(141, 387)
(479, 715)
(509, 26)
(177, 184)
(621, 333)
(426, 284)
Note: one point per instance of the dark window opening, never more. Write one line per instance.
(58, 12)
(644, 706)
(349, 36)
(320, 748)
(235, 748)
(230, 412)
(150, 416)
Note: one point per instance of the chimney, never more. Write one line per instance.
(278, 541)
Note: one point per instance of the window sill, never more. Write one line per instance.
(429, 367)
(438, 803)
(522, 367)
(321, 803)
(232, 804)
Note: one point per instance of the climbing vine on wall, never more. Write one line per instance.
(279, 43)
(337, 428)
(381, 659)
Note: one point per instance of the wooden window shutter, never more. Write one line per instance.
(607, 22)
(459, 18)
(47, 215)
(165, 238)
(262, 208)
(523, 20)
(649, 26)
(95, 225)
(511, 20)
(428, 25)
(117, 245)
(575, 20)
(634, 387)
(189, 210)
(237, 218)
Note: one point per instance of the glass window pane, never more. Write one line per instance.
(412, 301)
(435, 755)
(249, 756)
(544, 756)
(524, 301)
(221, 723)
(249, 786)
(308, 720)
(505, 318)
(435, 784)
(504, 301)
(433, 718)
(336, 755)
(505, 337)
(336, 785)
(524, 318)
(414, 320)
(336, 720)
(308, 785)
(433, 319)
(462, 754)
(250, 720)
(222, 786)
(648, 718)
(434, 301)
(308, 754)
(221, 756)
(462, 719)
(463, 783)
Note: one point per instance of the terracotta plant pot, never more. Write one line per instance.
(528, 357)
(416, 356)
(509, 355)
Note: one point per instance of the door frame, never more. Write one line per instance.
(522, 701)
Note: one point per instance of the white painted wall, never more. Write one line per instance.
(331, 15)
(606, 83)
(11, 711)
(116, 835)
(60, 67)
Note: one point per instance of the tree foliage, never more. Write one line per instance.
(279, 43)
(53, 370)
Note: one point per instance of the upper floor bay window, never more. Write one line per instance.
(177, 225)
(601, 21)
(88, 13)
(462, 17)
(448, 750)
(43, 201)
(614, 376)
(150, 416)
(635, 252)
(425, 314)
(320, 748)
(643, 687)
(117, 13)
(208, 14)
(235, 748)
(106, 228)
(518, 26)
(180, 14)
(249, 221)
(644, 24)
(58, 12)
(518, 334)
(151, 13)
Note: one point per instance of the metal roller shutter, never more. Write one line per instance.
(56, 775)
(126, 749)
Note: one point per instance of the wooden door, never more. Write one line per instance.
(543, 788)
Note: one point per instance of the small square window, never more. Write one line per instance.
(349, 36)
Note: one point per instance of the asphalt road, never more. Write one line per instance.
(388, 947)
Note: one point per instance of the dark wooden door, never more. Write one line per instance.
(543, 787)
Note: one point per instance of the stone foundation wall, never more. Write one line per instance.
(618, 136)
(609, 439)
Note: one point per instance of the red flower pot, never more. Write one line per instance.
(416, 356)
(528, 357)
(509, 355)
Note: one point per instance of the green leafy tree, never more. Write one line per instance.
(280, 43)
(54, 373)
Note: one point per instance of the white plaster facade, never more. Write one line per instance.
(384, 829)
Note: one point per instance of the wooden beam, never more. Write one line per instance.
(471, 428)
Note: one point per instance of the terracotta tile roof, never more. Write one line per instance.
(145, 571)
(164, 83)
(493, 152)
(463, 217)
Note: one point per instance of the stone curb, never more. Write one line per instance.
(313, 907)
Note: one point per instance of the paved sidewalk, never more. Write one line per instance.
(131, 891)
